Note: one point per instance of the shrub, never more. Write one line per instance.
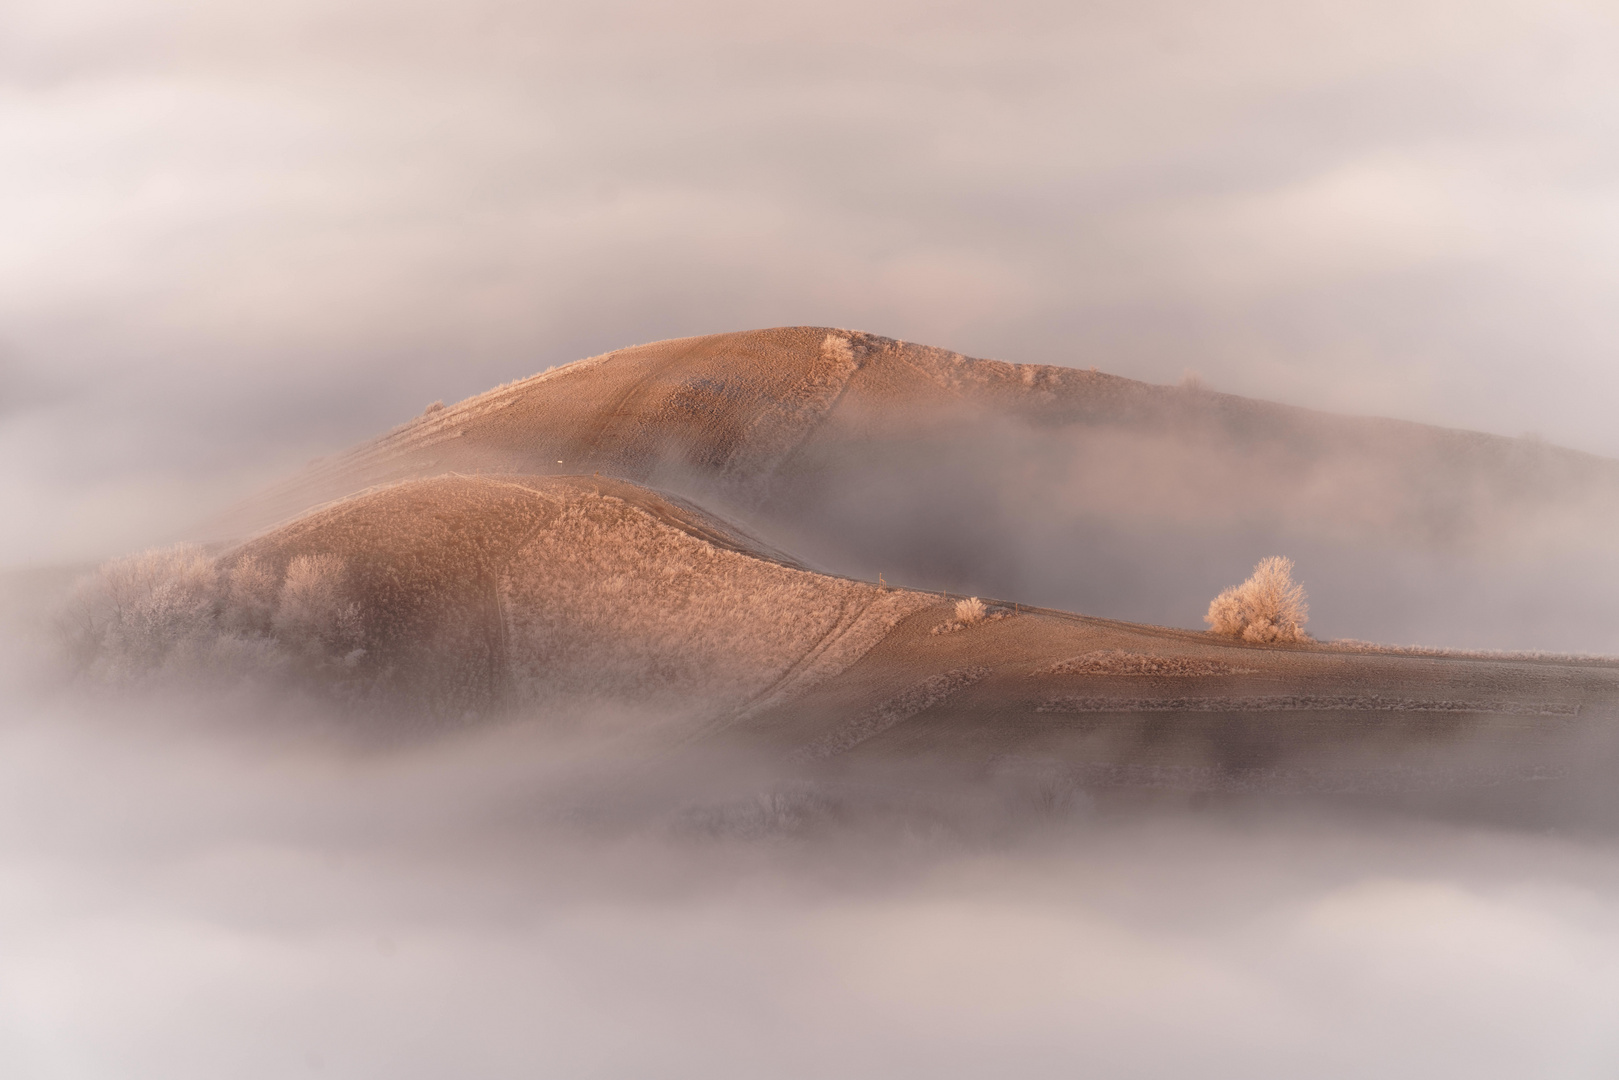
(250, 596)
(1267, 607)
(137, 611)
(312, 612)
(173, 609)
(970, 612)
(836, 348)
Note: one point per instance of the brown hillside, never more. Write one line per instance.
(550, 597)
(481, 593)
(1103, 706)
(743, 408)
(1063, 487)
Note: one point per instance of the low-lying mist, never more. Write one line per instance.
(1489, 544)
(202, 885)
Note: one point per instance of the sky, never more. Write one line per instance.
(241, 235)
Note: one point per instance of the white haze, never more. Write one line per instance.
(197, 889)
(239, 235)
(1148, 526)
(236, 883)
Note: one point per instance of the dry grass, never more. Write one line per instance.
(1120, 662)
(461, 595)
(613, 596)
(1268, 607)
(970, 612)
(919, 698)
(1277, 703)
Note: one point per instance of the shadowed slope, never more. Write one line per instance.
(1096, 705)
(478, 593)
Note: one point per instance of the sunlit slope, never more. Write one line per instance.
(510, 595)
(480, 593)
(746, 408)
(728, 405)
(1061, 486)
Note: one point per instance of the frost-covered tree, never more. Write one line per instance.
(1268, 607)
(312, 613)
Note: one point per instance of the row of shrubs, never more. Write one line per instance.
(178, 608)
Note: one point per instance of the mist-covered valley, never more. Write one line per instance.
(436, 758)
(1104, 563)
(221, 854)
(196, 887)
(1482, 544)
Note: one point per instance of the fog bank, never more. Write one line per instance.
(242, 236)
(195, 888)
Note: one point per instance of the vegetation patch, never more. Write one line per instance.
(1120, 662)
(1267, 608)
(177, 611)
(971, 612)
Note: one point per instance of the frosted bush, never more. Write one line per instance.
(312, 613)
(1268, 607)
(139, 611)
(970, 612)
(250, 596)
(174, 609)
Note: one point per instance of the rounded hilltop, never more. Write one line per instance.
(731, 408)
(480, 593)
(764, 416)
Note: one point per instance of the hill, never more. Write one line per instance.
(564, 599)
(1059, 486)
(480, 594)
(1063, 704)
(750, 412)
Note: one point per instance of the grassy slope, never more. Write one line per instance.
(486, 593)
(784, 406)
(480, 592)
(745, 413)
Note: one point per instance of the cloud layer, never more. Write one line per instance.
(181, 897)
(239, 236)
